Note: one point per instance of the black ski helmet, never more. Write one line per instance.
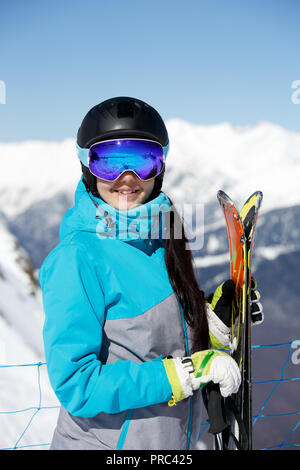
(120, 117)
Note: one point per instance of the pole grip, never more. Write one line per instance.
(214, 404)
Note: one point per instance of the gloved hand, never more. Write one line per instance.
(219, 307)
(217, 367)
(180, 372)
(188, 374)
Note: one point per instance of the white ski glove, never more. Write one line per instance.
(188, 374)
(218, 308)
(221, 369)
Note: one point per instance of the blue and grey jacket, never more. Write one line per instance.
(111, 315)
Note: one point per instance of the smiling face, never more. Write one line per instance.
(125, 192)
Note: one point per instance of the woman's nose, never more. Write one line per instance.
(127, 176)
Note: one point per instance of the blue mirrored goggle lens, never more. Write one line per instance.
(108, 159)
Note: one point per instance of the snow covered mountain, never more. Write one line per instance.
(20, 305)
(24, 384)
(37, 183)
(202, 160)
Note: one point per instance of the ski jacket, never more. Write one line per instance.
(111, 316)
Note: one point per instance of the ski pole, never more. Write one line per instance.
(214, 404)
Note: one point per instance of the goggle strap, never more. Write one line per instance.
(166, 150)
(83, 155)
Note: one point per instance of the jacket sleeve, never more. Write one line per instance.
(74, 316)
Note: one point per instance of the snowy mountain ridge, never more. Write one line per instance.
(201, 160)
(239, 160)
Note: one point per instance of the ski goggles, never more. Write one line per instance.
(109, 159)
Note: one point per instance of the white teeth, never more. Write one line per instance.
(126, 192)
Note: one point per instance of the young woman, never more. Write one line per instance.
(126, 329)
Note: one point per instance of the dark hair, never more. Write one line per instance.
(179, 263)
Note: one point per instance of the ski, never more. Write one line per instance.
(238, 408)
(249, 214)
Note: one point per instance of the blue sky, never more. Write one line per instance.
(203, 61)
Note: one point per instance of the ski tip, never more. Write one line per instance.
(258, 196)
(257, 193)
(224, 198)
(222, 193)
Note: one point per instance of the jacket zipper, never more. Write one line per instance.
(187, 351)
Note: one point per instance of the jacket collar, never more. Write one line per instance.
(92, 214)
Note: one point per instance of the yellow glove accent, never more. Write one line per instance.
(202, 361)
(173, 378)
